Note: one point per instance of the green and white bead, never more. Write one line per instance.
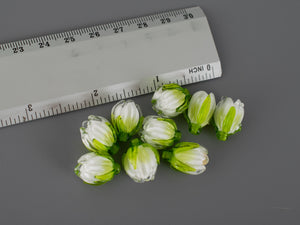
(96, 169)
(170, 100)
(140, 161)
(98, 135)
(187, 157)
(228, 117)
(159, 132)
(126, 117)
(200, 111)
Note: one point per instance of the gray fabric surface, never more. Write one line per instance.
(253, 178)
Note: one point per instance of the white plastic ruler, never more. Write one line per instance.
(59, 73)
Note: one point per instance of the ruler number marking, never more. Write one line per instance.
(118, 29)
(18, 49)
(44, 44)
(94, 34)
(69, 39)
(29, 107)
(188, 16)
(165, 20)
(95, 93)
(142, 25)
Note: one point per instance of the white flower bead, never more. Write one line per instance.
(200, 111)
(170, 100)
(140, 161)
(159, 132)
(228, 117)
(96, 169)
(187, 157)
(98, 135)
(126, 118)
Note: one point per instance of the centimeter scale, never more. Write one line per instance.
(58, 73)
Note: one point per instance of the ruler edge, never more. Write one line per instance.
(23, 107)
(16, 43)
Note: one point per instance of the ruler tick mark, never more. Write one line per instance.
(154, 84)
(26, 114)
(93, 99)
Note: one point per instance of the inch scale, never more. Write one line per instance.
(63, 72)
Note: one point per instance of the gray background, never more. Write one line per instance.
(253, 178)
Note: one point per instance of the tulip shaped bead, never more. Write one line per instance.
(187, 157)
(140, 161)
(98, 135)
(170, 100)
(200, 111)
(96, 169)
(228, 117)
(126, 117)
(159, 132)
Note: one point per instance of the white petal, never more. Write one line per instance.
(196, 102)
(157, 94)
(101, 132)
(212, 105)
(86, 157)
(130, 116)
(158, 129)
(239, 115)
(116, 110)
(221, 111)
(196, 158)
